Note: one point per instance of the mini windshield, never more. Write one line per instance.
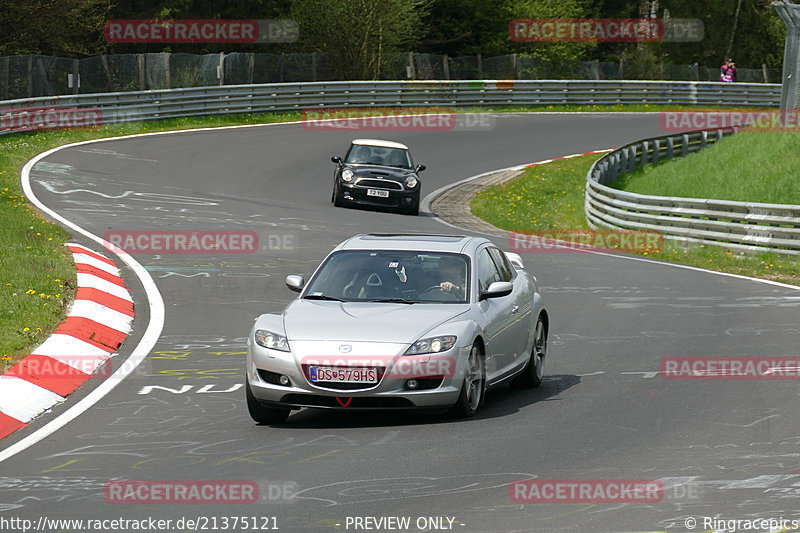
(392, 276)
(361, 154)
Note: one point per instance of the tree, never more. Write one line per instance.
(361, 37)
(70, 28)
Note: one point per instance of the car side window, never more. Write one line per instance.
(487, 271)
(507, 272)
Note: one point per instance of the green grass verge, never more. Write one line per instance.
(551, 197)
(37, 276)
(745, 167)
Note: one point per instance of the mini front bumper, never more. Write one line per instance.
(405, 199)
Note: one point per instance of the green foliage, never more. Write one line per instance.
(361, 35)
(67, 28)
(746, 167)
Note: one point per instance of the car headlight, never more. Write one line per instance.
(347, 174)
(438, 344)
(272, 340)
(411, 182)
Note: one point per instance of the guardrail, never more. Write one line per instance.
(739, 225)
(234, 99)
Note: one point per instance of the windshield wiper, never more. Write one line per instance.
(323, 297)
(396, 300)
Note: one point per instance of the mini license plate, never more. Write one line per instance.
(377, 192)
(343, 375)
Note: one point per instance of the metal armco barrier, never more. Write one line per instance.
(233, 99)
(739, 225)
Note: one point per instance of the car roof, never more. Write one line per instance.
(378, 142)
(429, 242)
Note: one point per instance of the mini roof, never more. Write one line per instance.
(378, 142)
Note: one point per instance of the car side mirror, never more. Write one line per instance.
(295, 282)
(420, 168)
(336, 159)
(498, 289)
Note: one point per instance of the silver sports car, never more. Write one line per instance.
(399, 322)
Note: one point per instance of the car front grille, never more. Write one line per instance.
(380, 184)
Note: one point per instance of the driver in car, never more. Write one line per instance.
(452, 271)
(361, 154)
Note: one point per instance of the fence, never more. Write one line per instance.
(739, 225)
(30, 76)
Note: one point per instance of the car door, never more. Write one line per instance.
(497, 316)
(521, 310)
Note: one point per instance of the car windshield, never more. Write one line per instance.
(361, 154)
(392, 276)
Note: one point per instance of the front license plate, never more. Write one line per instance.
(377, 192)
(343, 375)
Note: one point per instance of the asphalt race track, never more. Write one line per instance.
(725, 449)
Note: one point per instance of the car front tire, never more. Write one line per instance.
(532, 376)
(261, 413)
(473, 387)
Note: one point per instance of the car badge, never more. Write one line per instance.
(345, 348)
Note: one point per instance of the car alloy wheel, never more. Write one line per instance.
(472, 388)
(534, 371)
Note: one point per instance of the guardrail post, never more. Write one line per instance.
(644, 152)
(684, 144)
(703, 139)
(623, 160)
(669, 148)
(614, 167)
(632, 159)
(656, 149)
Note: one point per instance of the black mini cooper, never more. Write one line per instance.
(378, 174)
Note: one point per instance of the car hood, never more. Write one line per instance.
(365, 321)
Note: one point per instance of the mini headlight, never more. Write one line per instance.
(272, 340)
(411, 182)
(347, 174)
(432, 345)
